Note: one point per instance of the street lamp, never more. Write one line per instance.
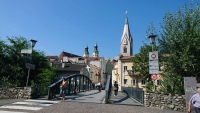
(152, 40)
(33, 42)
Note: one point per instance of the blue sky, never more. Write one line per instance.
(69, 25)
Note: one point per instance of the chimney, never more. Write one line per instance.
(63, 65)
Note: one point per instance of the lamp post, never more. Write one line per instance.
(33, 42)
(152, 42)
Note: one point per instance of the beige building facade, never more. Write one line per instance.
(123, 71)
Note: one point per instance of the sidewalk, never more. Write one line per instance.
(93, 96)
(9, 101)
(123, 99)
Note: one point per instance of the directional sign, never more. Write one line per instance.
(153, 66)
(28, 51)
(153, 77)
(30, 66)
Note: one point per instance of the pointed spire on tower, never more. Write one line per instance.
(126, 40)
(95, 52)
(86, 53)
(126, 20)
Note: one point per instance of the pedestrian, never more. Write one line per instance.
(99, 86)
(116, 87)
(195, 101)
(63, 88)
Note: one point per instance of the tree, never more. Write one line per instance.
(180, 39)
(13, 68)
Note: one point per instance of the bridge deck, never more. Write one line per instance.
(84, 102)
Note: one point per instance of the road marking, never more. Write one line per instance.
(11, 112)
(46, 101)
(21, 107)
(33, 103)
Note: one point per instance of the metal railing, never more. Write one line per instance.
(136, 93)
(108, 88)
(76, 83)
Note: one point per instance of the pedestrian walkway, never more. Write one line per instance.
(24, 106)
(93, 96)
(84, 102)
(123, 99)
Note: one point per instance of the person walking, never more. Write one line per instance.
(116, 87)
(195, 101)
(63, 88)
(99, 86)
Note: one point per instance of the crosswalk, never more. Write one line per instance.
(25, 106)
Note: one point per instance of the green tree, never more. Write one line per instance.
(180, 39)
(13, 68)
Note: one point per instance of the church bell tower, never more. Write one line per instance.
(126, 43)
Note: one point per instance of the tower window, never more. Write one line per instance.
(125, 49)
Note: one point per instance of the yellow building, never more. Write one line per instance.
(123, 67)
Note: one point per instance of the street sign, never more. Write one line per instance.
(153, 56)
(28, 51)
(153, 77)
(153, 63)
(30, 66)
(153, 72)
(153, 66)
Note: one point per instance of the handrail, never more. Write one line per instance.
(108, 88)
(52, 88)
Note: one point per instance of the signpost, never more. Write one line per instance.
(153, 77)
(153, 66)
(30, 66)
(153, 63)
(28, 51)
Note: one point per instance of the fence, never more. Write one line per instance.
(136, 93)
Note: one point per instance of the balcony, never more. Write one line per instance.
(132, 73)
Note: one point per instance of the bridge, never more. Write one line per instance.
(80, 98)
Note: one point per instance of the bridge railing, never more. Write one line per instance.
(136, 93)
(75, 83)
(108, 88)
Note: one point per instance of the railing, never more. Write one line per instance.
(136, 93)
(108, 88)
(76, 83)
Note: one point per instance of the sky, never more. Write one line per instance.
(70, 25)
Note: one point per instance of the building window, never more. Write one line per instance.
(125, 49)
(125, 81)
(158, 82)
(133, 83)
(125, 68)
(143, 82)
(132, 68)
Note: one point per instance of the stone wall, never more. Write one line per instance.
(17, 93)
(165, 101)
